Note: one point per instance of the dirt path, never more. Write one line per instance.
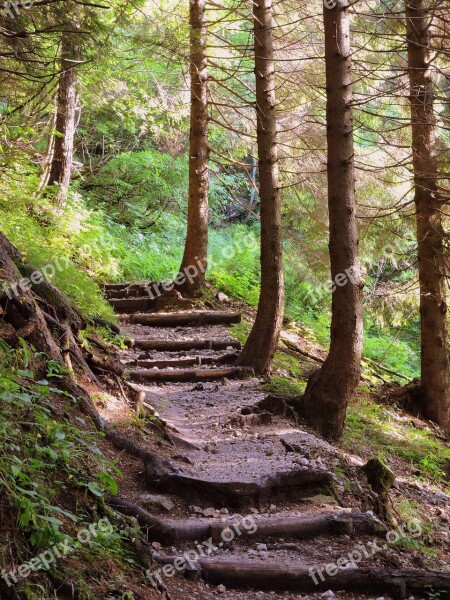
(260, 478)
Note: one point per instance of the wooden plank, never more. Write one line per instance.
(132, 305)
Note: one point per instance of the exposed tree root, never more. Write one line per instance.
(105, 363)
(274, 405)
(166, 531)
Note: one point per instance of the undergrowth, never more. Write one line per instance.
(53, 475)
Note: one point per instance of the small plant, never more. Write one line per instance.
(433, 594)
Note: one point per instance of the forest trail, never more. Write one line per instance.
(258, 485)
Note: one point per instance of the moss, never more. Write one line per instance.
(373, 430)
(280, 386)
(241, 331)
(379, 475)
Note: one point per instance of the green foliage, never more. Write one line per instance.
(91, 244)
(50, 239)
(373, 429)
(234, 263)
(397, 355)
(53, 475)
(137, 187)
(228, 197)
(39, 450)
(280, 386)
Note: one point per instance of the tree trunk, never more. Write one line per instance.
(329, 390)
(435, 378)
(262, 342)
(196, 246)
(61, 166)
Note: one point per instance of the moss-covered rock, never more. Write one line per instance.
(379, 476)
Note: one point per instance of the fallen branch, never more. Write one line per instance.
(298, 350)
(385, 369)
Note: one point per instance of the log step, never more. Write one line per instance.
(276, 577)
(179, 363)
(127, 290)
(306, 526)
(115, 286)
(132, 305)
(169, 531)
(181, 345)
(186, 318)
(181, 375)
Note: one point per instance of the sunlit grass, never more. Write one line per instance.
(375, 429)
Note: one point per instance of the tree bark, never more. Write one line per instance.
(329, 390)
(61, 166)
(262, 342)
(435, 378)
(196, 245)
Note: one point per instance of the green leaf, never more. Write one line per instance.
(109, 482)
(94, 489)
